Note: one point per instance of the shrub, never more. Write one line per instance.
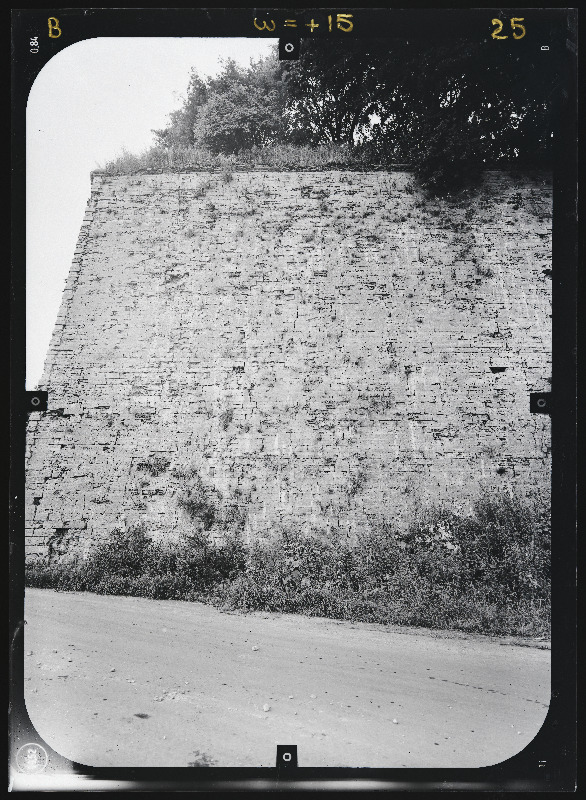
(502, 548)
(226, 418)
(200, 502)
(155, 465)
(202, 189)
(445, 164)
(488, 572)
(123, 555)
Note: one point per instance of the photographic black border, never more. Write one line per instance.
(548, 763)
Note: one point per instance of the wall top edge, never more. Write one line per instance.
(502, 167)
(259, 168)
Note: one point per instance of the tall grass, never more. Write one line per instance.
(487, 573)
(280, 156)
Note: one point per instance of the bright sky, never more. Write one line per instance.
(89, 102)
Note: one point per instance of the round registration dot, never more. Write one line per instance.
(541, 403)
(35, 401)
(31, 758)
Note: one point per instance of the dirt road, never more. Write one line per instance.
(122, 681)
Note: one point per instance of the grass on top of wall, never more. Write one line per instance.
(486, 573)
(281, 156)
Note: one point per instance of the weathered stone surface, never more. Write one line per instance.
(313, 349)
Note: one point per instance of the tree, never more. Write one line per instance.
(179, 132)
(332, 91)
(446, 107)
(241, 117)
(440, 106)
(238, 108)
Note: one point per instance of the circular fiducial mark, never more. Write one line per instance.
(541, 403)
(31, 758)
(289, 47)
(35, 401)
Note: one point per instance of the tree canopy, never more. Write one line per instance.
(444, 107)
(237, 109)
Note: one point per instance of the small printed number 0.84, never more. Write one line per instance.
(514, 25)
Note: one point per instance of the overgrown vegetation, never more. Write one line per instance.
(154, 465)
(487, 573)
(448, 108)
(277, 156)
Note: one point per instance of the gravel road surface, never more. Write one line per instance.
(125, 681)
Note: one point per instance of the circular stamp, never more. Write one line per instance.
(31, 758)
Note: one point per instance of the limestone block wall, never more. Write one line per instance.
(312, 349)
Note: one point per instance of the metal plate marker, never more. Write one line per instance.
(286, 755)
(289, 49)
(540, 403)
(36, 401)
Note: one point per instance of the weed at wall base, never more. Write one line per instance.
(487, 573)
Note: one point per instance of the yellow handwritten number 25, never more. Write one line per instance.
(514, 25)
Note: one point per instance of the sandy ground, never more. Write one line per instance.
(123, 681)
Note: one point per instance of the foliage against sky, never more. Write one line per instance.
(454, 102)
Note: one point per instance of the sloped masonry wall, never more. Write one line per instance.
(312, 349)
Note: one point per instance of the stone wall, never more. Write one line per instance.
(310, 349)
